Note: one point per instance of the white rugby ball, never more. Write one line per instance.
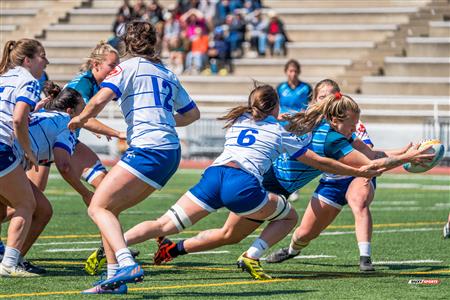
(437, 148)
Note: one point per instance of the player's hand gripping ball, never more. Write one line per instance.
(437, 148)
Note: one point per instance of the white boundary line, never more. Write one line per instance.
(407, 262)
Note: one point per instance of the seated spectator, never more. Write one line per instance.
(172, 32)
(139, 9)
(177, 51)
(196, 57)
(154, 15)
(126, 10)
(236, 27)
(223, 9)
(294, 94)
(274, 37)
(256, 26)
(219, 54)
(191, 20)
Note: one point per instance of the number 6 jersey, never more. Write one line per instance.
(254, 145)
(148, 94)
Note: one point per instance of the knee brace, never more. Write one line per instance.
(93, 172)
(178, 217)
(282, 210)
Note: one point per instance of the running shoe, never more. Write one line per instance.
(253, 267)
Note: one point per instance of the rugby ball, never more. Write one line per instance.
(437, 148)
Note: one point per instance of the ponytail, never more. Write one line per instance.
(67, 98)
(6, 60)
(14, 53)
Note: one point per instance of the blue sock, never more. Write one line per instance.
(2, 248)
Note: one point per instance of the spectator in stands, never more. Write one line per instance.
(236, 36)
(173, 44)
(191, 20)
(294, 94)
(196, 57)
(223, 9)
(219, 54)
(139, 9)
(154, 15)
(275, 37)
(118, 30)
(126, 10)
(172, 31)
(256, 28)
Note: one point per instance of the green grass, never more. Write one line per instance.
(214, 276)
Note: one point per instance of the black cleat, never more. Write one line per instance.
(365, 264)
(280, 256)
(29, 267)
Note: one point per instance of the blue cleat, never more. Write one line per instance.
(123, 289)
(128, 274)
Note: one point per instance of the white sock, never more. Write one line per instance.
(111, 270)
(364, 249)
(124, 257)
(257, 249)
(296, 247)
(11, 257)
(126, 242)
(293, 251)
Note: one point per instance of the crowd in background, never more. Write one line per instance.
(203, 36)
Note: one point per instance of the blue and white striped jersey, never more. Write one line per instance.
(254, 146)
(360, 133)
(48, 130)
(15, 85)
(148, 95)
(293, 175)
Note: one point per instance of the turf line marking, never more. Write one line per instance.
(155, 288)
(309, 256)
(70, 250)
(426, 272)
(67, 243)
(407, 262)
(414, 186)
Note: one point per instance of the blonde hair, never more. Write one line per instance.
(322, 83)
(333, 106)
(261, 102)
(14, 53)
(98, 55)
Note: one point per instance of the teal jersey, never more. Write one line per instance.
(85, 84)
(293, 175)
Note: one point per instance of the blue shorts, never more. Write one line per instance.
(235, 189)
(333, 192)
(271, 184)
(152, 166)
(8, 159)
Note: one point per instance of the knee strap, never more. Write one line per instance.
(178, 217)
(93, 172)
(282, 210)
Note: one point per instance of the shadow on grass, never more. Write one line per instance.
(216, 294)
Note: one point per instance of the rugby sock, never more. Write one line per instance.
(364, 249)
(111, 270)
(257, 249)
(124, 257)
(296, 247)
(178, 250)
(11, 257)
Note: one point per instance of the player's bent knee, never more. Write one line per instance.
(178, 217)
(92, 173)
(282, 210)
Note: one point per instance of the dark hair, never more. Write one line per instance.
(67, 98)
(14, 53)
(51, 89)
(261, 102)
(325, 82)
(140, 40)
(294, 63)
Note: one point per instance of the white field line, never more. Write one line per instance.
(407, 262)
(71, 250)
(309, 256)
(417, 186)
(388, 203)
(68, 243)
(417, 176)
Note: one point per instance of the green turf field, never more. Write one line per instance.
(409, 212)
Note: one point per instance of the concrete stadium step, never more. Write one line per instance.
(16, 16)
(64, 66)
(428, 46)
(340, 32)
(7, 28)
(345, 15)
(349, 50)
(406, 85)
(417, 66)
(68, 32)
(27, 4)
(341, 3)
(440, 28)
(274, 66)
(117, 3)
(94, 16)
(60, 49)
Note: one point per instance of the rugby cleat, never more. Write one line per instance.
(16, 271)
(280, 256)
(123, 289)
(162, 255)
(128, 274)
(446, 231)
(365, 264)
(253, 267)
(29, 267)
(95, 261)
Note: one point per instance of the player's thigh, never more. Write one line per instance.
(83, 158)
(39, 178)
(360, 192)
(16, 189)
(318, 215)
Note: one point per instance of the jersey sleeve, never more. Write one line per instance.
(116, 81)
(65, 140)
(293, 145)
(362, 134)
(337, 146)
(183, 102)
(84, 87)
(29, 92)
